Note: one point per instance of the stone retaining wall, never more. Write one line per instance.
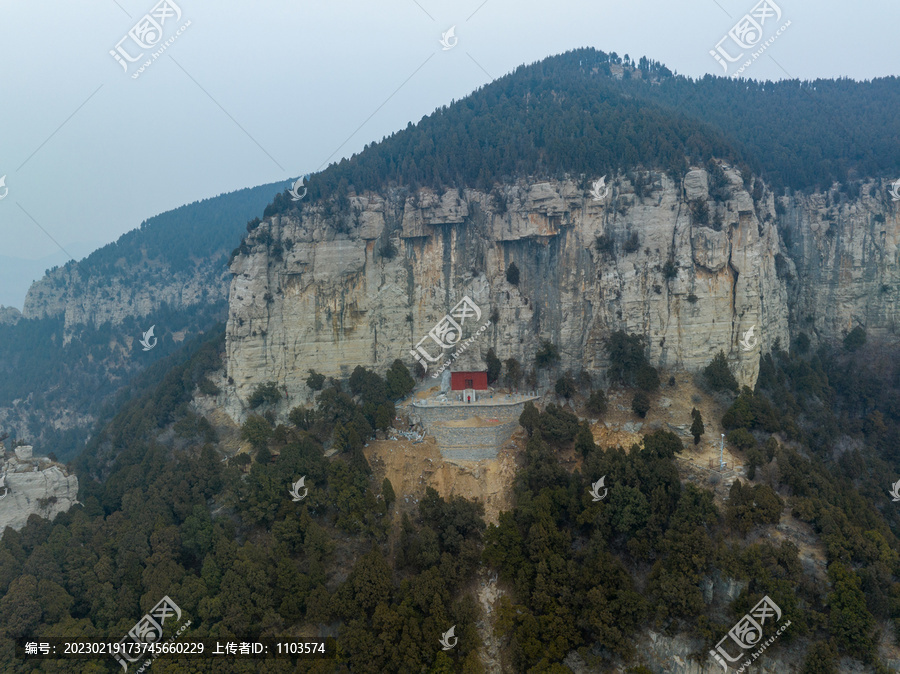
(473, 437)
(431, 414)
(470, 443)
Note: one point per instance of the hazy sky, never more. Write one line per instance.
(251, 93)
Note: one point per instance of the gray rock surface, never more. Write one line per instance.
(36, 487)
(315, 290)
(9, 315)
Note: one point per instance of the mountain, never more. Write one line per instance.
(77, 341)
(691, 247)
(619, 243)
(17, 274)
(570, 115)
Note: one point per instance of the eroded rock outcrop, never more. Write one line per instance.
(127, 293)
(33, 486)
(331, 291)
(9, 315)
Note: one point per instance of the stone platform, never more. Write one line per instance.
(471, 431)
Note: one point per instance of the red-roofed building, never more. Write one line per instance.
(460, 381)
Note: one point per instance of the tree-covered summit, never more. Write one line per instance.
(593, 113)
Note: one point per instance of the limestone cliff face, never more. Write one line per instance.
(323, 291)
(35, 486)
(846, 257)
(9, 315)
(123, 294)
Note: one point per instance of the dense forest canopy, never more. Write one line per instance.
(164, 516)
(568, 115)
(181, 237)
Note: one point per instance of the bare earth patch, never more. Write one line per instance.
(411, 467)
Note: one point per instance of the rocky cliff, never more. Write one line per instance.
(94, 300)
(9, 315)
(33, 486)
(330, 290)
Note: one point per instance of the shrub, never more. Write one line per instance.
(315, 381)
(855, 339)
(558, 425)
(399, 381)
(256, 430)
(565, 386)
(383, 418)
(718, 374)
(494, 366)
(388, 250)
(697, 428)
(597, 402)
(512, 274)
(669, 270)
(584, 440)
(301, 417)
(207, 387)
(647, 378)
(513, 371)
(529, 417)
(631, 243)
(640, 404)
(627, 361)
(546, 355)
(692, 298)
(387, 491)
(605, 245)
(700, 212)
(264, 393)
(741, 439)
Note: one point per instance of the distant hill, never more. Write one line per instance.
(78, 341)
